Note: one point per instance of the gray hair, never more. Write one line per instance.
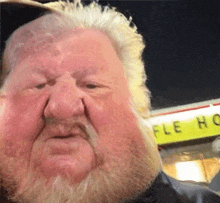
(123, 34)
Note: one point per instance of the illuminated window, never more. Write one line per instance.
(189, 171)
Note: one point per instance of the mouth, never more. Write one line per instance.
(65, 144)
(63, 137)
(62, 131)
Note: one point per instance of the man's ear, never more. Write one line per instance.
(1, 99)
(4, 69)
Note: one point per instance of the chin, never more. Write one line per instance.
(114, 179)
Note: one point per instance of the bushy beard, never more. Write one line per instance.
(122, 178)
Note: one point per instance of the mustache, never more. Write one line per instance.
(71, 123)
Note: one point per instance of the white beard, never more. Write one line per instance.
(121, 179)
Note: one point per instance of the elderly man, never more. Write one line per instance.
(73, 102)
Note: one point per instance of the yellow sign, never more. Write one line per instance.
(185, 126)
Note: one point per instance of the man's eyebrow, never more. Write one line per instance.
(85, 71)
(80, 73)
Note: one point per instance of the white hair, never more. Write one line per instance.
(123, 34)
(127, 41)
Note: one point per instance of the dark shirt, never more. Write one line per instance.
(215, 183)
(168, 190)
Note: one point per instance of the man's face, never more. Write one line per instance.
(67, 113)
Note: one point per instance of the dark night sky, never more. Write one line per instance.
(183, 48)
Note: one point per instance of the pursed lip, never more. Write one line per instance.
(66, 131)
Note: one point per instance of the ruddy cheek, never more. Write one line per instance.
(21, 123)
(109, 113)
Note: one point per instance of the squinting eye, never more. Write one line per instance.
(40, 86)
(91, 86)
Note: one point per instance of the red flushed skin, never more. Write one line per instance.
(84, 79)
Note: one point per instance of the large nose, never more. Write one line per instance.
(65, 100)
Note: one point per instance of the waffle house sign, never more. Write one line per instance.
(187, 124)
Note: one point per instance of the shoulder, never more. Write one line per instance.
(190, 192)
